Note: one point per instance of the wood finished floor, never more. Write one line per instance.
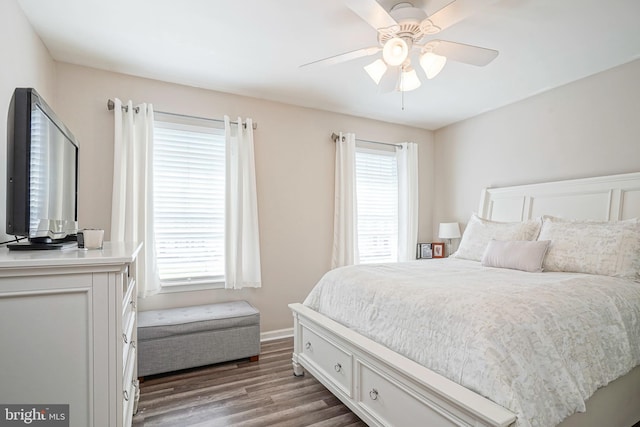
(242, 393)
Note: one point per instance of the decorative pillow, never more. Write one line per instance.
(522, 255)
(594, 247)
(480, 231)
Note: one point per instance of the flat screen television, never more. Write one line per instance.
(42, 175)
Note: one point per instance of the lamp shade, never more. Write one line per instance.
(449, 230)
(376, 70)
(395, 51)
(408, 80)
(432, 64)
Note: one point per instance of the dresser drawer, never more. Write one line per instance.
(128, 339)
(334, 363)
(129, 386)
(129, 300)
(394, 405)
(125, 276)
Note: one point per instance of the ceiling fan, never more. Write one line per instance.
(401, 32)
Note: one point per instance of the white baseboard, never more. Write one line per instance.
(276, 335)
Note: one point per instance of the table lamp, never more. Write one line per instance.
(449, 231)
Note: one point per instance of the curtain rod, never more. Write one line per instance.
(335, 137)
(111, 105)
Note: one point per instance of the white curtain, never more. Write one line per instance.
(345, 221)
(131, 215)
(242, 241)
(407, 155)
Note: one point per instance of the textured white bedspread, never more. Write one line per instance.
(538, 344)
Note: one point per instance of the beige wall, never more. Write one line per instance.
(25, 62)
(294, 162)
(586, 128)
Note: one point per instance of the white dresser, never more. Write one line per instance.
(68, 331)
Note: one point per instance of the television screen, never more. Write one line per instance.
(42, 158)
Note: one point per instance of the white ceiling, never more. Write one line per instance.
(255, 47)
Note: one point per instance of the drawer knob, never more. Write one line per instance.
(308, 345)
(133, 303)
(126, 395)
(124, 338)
(337, 367)
(373, 394)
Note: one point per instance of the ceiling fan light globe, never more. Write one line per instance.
(432, 64)
(409, 80)
(376, 70)
(395, 51)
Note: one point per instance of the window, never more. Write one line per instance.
(189, 203)
(377, 196)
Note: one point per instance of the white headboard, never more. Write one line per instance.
(604, 198)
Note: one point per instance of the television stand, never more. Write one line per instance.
(69, 333)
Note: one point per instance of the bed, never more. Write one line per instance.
(387, 381)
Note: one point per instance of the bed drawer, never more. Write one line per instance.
(333, 363)
(394, 405)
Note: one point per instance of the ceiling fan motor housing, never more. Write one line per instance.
(412, 24)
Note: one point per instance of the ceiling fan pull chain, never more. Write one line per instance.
(402, 91)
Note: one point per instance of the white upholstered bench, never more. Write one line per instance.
(186, 337)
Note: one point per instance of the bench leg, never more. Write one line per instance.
(254, 358)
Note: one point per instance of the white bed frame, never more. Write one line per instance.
(386, 389)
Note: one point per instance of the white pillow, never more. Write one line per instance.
(594, 247)
(522, 255)
(480, 231)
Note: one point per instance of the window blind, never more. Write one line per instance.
(377, 198)
(189, 203)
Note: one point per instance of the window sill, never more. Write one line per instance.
(191, 288)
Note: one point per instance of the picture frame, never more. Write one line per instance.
(424, 251)
(438, 250)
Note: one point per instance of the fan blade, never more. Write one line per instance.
(465, 53)
(343, 57)
(372, 13)
(456, 11)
